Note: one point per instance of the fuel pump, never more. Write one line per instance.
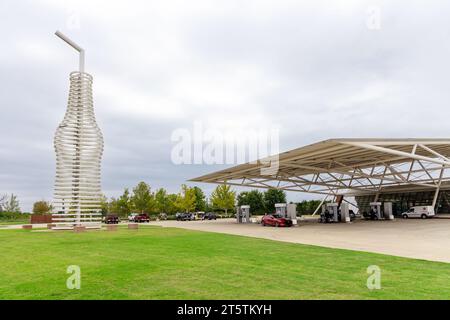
(292, 213)
(280, 209)
(345, 212)
(375, 211)
(333, 210)
(245, 210)
(330, 213)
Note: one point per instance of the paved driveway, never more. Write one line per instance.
(422, 239)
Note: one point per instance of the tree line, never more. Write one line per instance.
(191, 199)
(142, 199)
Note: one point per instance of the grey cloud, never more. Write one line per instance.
(314, 70)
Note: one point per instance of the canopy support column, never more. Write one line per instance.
(436, 193)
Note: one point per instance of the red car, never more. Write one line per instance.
(143, 217)
(111, 219)
(276, 221)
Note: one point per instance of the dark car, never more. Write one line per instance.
(143, 217)
(184, 216)
(209, 216)
(111, 219)
(276, 221)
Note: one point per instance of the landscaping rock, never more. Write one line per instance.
(111, 227)
(79, 229)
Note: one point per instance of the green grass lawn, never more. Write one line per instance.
(170, 263)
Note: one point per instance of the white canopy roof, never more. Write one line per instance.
(346, 166)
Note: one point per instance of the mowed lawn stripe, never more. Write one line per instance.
(171, 263)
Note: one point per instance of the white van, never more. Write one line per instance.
(419, 212)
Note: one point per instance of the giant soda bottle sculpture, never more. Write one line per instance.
(79, 147)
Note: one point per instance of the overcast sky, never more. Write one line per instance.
(313, 69)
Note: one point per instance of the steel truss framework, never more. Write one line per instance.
(347, 166)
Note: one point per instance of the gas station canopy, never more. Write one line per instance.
(346, 166)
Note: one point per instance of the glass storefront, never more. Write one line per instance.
(401, 202)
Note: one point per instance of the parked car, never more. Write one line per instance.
(199, 215)
(423, 212)
(140, 218)
(276, 221)
(111, 219)
(185, 216)
(131, 217)
(162, 216)
(209, 216)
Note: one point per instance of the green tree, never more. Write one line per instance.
(172, 203)
(200, 199)
(223, 198)
(11, 204)
(165, 202)
(272, 196)
(254, 199)
(42, 207)
(161, 200)
(208, 206)
(3, 198)
(186, 199)
(142, 199)
(123, 205)
(104, 205)
(308, 206)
